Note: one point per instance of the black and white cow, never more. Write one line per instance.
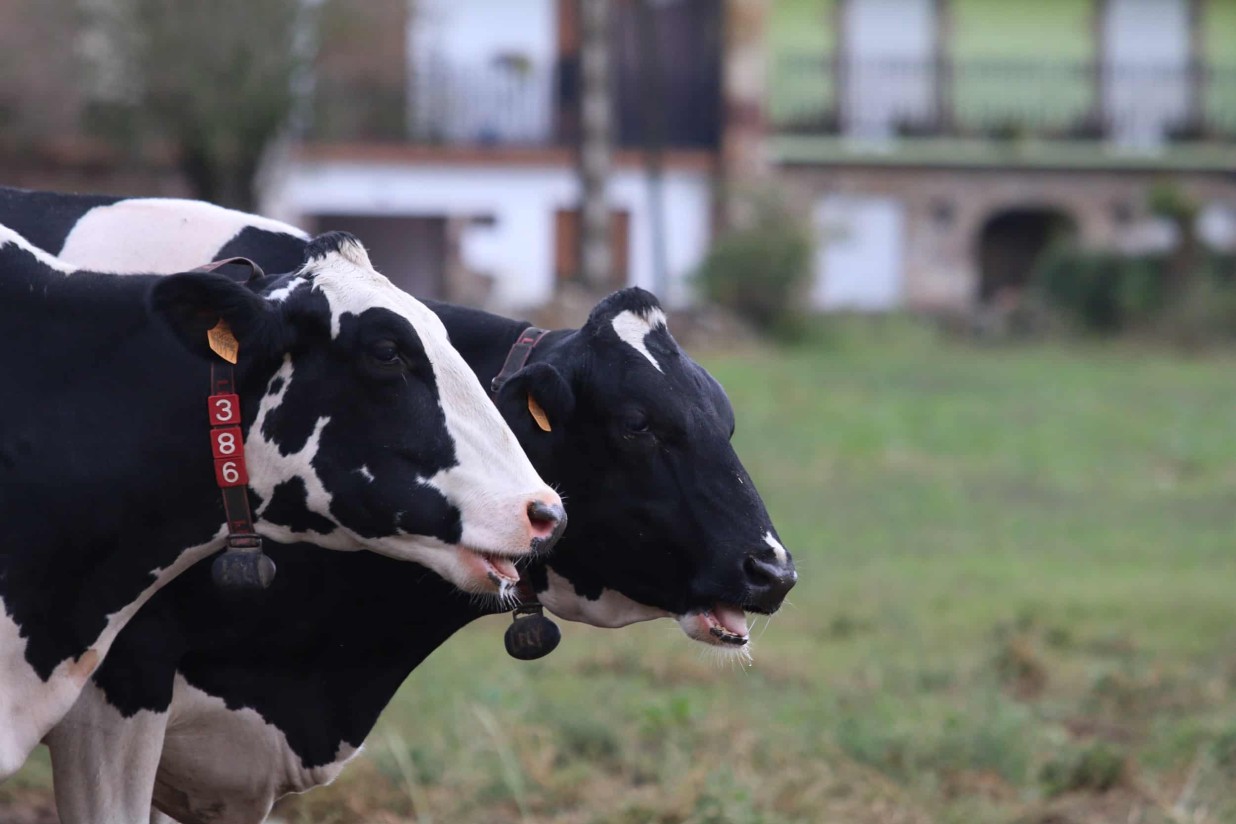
(363, 429)
(665, 522)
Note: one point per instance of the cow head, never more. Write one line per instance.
(666, 520)
(364, 428)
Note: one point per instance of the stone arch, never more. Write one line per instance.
(1011, 241)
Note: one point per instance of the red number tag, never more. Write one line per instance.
(226, 442)
(224, 409)
(231, 471)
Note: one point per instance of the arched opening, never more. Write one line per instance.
(1010, 245)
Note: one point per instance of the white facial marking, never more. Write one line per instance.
(778, 550)
(176, 235)
(493, 482)
(8, 236)
(365, 473)
(632, 328)
(269, 466)
(281, 294)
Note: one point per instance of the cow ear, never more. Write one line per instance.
(537, 396)
(195, 303)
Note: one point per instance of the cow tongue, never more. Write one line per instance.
(732, 619)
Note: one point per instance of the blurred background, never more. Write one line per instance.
(967, 269)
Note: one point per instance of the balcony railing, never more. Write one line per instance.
(508, 103)
(1003, 99)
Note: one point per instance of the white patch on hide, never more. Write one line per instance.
(611, 610)
(8, 236)
(29, 706)
(161, 235)
(632, 328)
(231, 763)
(103, 763)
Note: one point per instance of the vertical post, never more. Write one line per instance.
(1197, 66)
(595, 144)
(653, 104)
(744, 157)
(1099, 69)
(841, 66)
(943, 80)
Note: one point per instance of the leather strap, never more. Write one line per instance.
(238, 269)
(521, 350)
(228, 449)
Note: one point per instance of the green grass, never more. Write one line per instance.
(1016, 604)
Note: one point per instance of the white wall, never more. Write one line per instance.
(517, 249)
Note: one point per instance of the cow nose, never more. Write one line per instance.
(768, 582)
(547, 520)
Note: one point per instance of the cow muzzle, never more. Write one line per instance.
(491, 545)
(547, 522)
(767, 577)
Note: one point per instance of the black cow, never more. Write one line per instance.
(665, 522)
(361, 426)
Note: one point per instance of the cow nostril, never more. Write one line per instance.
(547, 520)
(768, 582)
(758, 573)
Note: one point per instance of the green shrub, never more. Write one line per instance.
(1100, 291)
(761, 272)
(1108, 292)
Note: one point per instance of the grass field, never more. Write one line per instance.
(1017, 603)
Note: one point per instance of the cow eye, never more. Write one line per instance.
(637, 422)
(385, 352)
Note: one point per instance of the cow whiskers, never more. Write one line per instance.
(729, 656)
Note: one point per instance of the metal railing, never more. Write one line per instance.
(1002, 99)
(504, 103)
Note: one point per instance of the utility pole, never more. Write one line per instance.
(595, 144)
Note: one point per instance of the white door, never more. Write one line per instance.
(860, 257)
(1145, 67)
(890, 67)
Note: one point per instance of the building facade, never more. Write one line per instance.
(453, 155)
(941, 145)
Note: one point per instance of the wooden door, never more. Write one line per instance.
(566, 246)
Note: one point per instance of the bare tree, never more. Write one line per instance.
(217, 79)
(595, 142)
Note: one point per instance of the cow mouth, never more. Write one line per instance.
(499, 570)
(720, 625)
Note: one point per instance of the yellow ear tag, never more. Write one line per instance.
(538, 414)
(222, 342)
